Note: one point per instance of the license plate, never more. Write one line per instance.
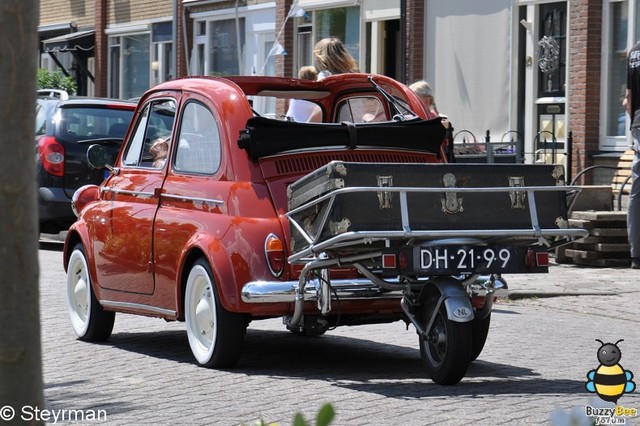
(466, 259)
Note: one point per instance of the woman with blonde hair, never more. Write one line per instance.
(332, 57)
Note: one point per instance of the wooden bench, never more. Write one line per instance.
(621, 182)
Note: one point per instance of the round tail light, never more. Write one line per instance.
(274, 253)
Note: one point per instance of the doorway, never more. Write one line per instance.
(383, 53)
(542, 67)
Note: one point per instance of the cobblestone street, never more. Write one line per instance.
(535, 361)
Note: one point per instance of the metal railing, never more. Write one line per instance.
(485, 150)
(545, 151)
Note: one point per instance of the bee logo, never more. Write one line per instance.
(610, 380)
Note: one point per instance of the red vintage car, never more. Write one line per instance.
(193, 222)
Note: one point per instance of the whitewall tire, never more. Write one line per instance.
(88, 319)
(215, 334)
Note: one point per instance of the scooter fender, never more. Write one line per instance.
(456, 300)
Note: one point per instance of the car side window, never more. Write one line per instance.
(199, 148)
(151, 139)
(133, 152)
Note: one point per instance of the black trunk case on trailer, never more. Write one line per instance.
(377, 211)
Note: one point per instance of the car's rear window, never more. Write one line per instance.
(93, 123)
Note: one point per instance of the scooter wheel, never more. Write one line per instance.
(479, 330)
(446, 347)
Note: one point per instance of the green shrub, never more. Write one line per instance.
(55, 80)
(323, 418)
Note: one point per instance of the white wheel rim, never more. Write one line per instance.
(437, 350)
(78, 292)
(200, 314)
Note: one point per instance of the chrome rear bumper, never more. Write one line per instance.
(285, 291)
(482, 286)
(359, 288)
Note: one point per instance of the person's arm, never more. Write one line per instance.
(626, 102)
(316, 115)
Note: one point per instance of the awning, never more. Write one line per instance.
(75, 43)
(80, 40)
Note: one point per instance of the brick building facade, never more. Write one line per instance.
(184, 36)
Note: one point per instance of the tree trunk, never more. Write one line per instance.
(20, 350)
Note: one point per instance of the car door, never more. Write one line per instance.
(124, 247)
(192, 194)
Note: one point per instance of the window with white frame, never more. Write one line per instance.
(340, 22)
(114, 67)
(162, 62)
(130, 65)
(225, 51)
(615, 34)
(199, 43)
(304, 54)
(162, 52)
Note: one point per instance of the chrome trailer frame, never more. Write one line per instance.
(321, 255)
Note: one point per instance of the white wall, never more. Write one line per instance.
(468, 57)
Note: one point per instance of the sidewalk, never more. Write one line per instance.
(574, 280)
